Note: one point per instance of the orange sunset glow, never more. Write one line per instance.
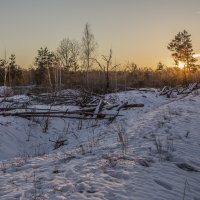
(137, 31)
(99, 99)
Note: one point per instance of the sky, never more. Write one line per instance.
(136, 30)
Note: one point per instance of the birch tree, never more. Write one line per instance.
(88, 49)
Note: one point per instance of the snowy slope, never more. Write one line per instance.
(161, 161)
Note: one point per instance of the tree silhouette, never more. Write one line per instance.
(182, 51)
(106, 68)
(88, 49)
(44, 61)
(160, 66)
(69, 52)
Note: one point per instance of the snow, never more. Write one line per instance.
(160, 161)
(5, 91)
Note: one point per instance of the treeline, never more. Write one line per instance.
(131, 77)
(76, 65)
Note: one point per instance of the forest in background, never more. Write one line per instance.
(77, 65)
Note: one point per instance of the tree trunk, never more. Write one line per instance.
(107, 81)
(49, 77)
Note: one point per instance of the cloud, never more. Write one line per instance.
(198, 12)
(196, 55)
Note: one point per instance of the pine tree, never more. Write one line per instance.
(160, 66)
(44, 61)
(182, 51)
(3, 65)
(14, 72)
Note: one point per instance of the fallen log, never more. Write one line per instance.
(58, 114)
(134, 105)
(121, 106)
(179, 90)
(189, 89)
(98, 109)
(31, 109)
(111, 107)
(167, 91)
(163, 90)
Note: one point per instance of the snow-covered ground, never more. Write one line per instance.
(149, 153)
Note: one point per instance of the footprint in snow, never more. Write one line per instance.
(164, 184)
(187, 167)
(120, 175)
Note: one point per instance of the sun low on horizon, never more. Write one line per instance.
(182, 64)
(137, 31)
(99, 99)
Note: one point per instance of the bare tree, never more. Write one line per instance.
(69, 52)
(106, 68)
(88, 49)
